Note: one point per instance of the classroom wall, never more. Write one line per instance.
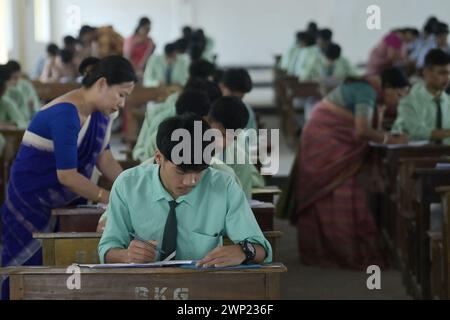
(248, 31)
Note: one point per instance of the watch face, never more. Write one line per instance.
(251, 248)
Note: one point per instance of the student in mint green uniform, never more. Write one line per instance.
(237, 83)
(166, 69)
(307, 64)
(424, 114)
(222, 118)
(22, 91)
(9, 110)
(181, 206)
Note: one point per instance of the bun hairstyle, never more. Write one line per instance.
(115, 69)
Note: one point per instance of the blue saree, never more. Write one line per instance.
(34, 190)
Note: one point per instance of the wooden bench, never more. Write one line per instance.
(64, 249)
(50, 283)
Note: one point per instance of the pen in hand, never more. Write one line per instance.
(136, 237)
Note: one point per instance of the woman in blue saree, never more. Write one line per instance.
(64, 142)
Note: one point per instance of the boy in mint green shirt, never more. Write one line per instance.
(181, 205)
(167, 69)
(237, 83)
(424, 114)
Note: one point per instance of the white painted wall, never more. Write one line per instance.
(248, 31)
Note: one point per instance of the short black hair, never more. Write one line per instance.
(202, 69)
(193, 101)
(13, 66)
(170, 48)
(52, 49)
(325, 34)
(332, 52)
(237, 79)
(165, 143)
(440, 28)
(436, 57)
(211, 88)
(306, 38)
(231, 112)
(181, 45)
(66, 55)
(69, 41)
(430, 24)
(394, 78)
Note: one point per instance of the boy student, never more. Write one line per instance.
(167, 69)
(230, 113)
(424, 114)
(237, 83)
(182, 206)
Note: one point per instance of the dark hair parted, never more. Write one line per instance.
(115, 69)
(166, 145)
(231, 112)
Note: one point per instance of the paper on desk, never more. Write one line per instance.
(242, 266)
(419, 143)
(260, 204)
(138, 265)
(443, 166)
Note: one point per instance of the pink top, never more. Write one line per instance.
(385, 54)
(138, 51)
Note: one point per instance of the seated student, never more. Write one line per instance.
(289, 58)
(183, 206)
(22, 91)
(307, 64)
(438, 40)
(167, 69)
(424, 114)
(9, 110)
(334, 66)
(237, 83)
(324, 39)
(190, 101)
(2, 92)
(52, 53)
(166, 110)
(230, 113)
(63, 69)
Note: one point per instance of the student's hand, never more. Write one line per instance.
(141, 252)
(398, 139)
(225, 256)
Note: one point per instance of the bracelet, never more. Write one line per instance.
(386, 138)
(99, 195)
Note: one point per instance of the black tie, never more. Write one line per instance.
(169, 244)
(169, 74)
(438, 113)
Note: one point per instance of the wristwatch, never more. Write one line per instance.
(249, 250)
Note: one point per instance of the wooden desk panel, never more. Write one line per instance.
(48, 283)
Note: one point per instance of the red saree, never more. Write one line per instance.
(335, 226)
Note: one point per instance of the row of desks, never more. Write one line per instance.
(403, 211)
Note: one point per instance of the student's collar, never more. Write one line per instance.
(430, 96)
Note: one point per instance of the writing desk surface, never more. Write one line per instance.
(271, 268)
(266, 190)
(77, 211)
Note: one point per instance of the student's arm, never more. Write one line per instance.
(240, 225)
(115, 245)
(14, 114)
(82, 186)
(109, 166)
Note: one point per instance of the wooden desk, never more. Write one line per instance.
(47, 283)
(427, 182)
(266, 194)
(64, 249)
(77, 219)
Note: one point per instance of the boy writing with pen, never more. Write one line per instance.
(185, 208)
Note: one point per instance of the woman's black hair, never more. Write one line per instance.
(115, 69)
(144, 21)
(394, 78)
